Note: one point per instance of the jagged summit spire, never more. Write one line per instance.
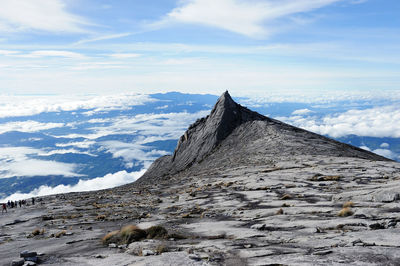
(206, 134)
(224, 102)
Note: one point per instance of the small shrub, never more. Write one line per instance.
(279, 212)
(131, 233)
(186, 215)
(100, 217)
(161, 249)
(60, 234)
(345, 212)
(35, 232)
(156, 232)
(111, 237)
(348, 204)
(286, 197)
(332, 177)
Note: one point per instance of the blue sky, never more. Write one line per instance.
(199, 46)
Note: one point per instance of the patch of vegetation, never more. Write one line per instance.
(100, 217)
(348, 204)
(345, 212)
(320, 177)
(37, 232)
(156, 232)
(60, 234)
(132, 233)
(161, 249)
(286, 197)
(111, 237)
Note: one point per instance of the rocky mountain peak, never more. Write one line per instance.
(232, 133)
(206, 133)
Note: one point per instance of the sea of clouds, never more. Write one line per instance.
(18, 113)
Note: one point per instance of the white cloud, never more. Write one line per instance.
(53, 53)
(8, 52)
(65, 151)
(365, 148)
(386, 153)
(12, 106)
(124, 55)
(132, 151)
(240, 16)
(169, 125)
(27, 126)
(108, 181)
(385, 145)
(302, 112)
(15, 161)
(160, 126)
(79, 144)
(42, 15)
(33, 167)
(373, 122)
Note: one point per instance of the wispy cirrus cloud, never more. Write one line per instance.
(250, 18)
(103, 38)
(52, 53)
(39, 15)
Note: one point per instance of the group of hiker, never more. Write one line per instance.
(14, 204)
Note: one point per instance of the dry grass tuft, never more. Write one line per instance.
(345, 212)
(161, 249)
(35, 232)
(286, 197)
(157, 231)
(332, 178)
(100, 217)
(132, 233)
(348, 204)
(60, 234)
(110, 237)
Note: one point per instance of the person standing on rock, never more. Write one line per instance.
(4, 208)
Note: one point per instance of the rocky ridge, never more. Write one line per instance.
(264, 193)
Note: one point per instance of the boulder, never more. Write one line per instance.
(28, 254)
(19, 262)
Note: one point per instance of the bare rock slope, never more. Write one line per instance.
(240, 189)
